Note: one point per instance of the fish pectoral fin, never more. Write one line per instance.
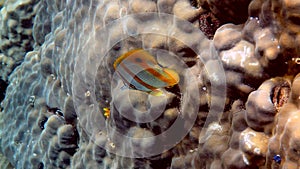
(157, 92)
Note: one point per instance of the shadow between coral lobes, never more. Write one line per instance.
(3, 86)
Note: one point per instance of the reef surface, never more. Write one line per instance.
(236, 106)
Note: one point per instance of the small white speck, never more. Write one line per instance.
(191, 151)
(257, 150)
(112, 145)
(245, 159)
(53, 77)
(253, 64)
(248, 145)
(297, 61)
(87, 93)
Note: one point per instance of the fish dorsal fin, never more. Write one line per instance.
(122, 57)
(140, 54)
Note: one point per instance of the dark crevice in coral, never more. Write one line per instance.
(40, 166)
(56, 111)
(174, 103)
(190, 63)
(26, 23)
(3, 86)
(204, 108)
(161, 163)
(156, 129)
(76, 138)
(254, 82)
(188, 55)
(174, 89)
(70, 151)
(42, 122)
(295, 20)
(208, 24)
(194, 3)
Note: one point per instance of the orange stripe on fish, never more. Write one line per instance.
(136, 78)
(166, 79)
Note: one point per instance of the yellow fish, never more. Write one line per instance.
(139, 70)
(106, 112)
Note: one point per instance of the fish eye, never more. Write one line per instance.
(138, 60)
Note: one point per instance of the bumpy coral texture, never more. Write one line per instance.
(44, 125)
(16, 34)
(285, 139)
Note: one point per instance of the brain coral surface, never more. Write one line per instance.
(65, 103)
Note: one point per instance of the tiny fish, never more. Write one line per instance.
(106, 112)
(139, 70)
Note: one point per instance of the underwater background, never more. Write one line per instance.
(162, 84)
